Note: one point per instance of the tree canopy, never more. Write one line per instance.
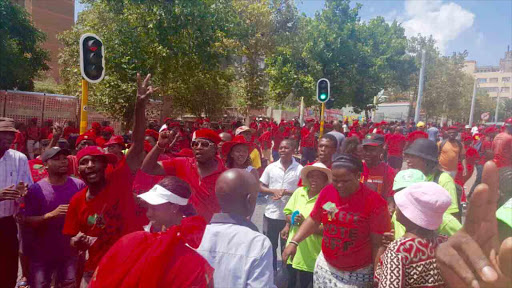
(21, 56)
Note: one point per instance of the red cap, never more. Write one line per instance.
(151, 133)
(467, 137)
(86, 136)
(116, 140)
(167, 119)
(208, 134)
(96, 151)
(108, 129)
(227, 146)
(96, 125)
(309, 120)
(453, 127)
(174, 124)
(508, 121)
(490, 130)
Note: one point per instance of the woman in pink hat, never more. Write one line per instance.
(237, 155)
(410, 261)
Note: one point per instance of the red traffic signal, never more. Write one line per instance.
(92, 58)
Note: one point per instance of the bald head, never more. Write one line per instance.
(236, 191)
(337, 126)
(225, 137)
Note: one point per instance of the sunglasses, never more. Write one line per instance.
(202, 144)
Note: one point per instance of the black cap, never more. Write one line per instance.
(52, 152)
(373, 139)
(423, 148)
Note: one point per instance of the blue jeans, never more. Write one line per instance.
(41, 272)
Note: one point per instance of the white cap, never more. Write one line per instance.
(467, 126)
(159, 195)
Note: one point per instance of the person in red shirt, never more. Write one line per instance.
(106, 134)
(483, 144)
(266, 143)
(308, 142)
(395, 144)
(71, 129)
(33, 137)
(381, 175)
(165, 258)
(472, 158)
(502, 148)
(200, 172)
(277, 138)
(354, 218)
(104, 211)
(419, 133)
(46, 129)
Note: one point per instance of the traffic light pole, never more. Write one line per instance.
(83, 107)
(322, 114)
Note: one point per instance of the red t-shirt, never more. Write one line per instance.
(45, 131)
(108, 216)
(32, 132)
(346, 242)
(278, 138)
(265, 140)
(203, 189)
(502, 147)
(413, 136)
(68, 130)
(19, 142)
(307, 138)
(396, 144)
(100, 141)
(380, 179)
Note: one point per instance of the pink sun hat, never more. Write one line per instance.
(424, 204)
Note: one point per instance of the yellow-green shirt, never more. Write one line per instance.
(308, 250)
(446, 181)
(448, 227)
(255, 159)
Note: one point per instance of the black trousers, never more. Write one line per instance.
(305, 278)
(272, 229)
(8, 252)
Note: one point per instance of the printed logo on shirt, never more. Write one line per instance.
(345, 233)
(375, 183)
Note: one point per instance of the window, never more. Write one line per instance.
(505, 89)
(493, 80)
(482, 80)
(505, 79)
(490, 89)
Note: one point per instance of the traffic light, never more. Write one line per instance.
(323, 88)
(92, 58)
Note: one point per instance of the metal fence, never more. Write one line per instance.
(22, 106)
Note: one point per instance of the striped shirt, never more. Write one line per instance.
(13, 169)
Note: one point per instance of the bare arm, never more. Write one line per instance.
(307, 228)
(150, 165)
(135, 154)
(377, 248)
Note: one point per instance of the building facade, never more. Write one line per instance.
(496, 80)
(52, 17)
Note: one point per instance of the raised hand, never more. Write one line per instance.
(165, 138)
(144, 89)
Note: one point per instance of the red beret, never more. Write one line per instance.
(116, 140)
(166, 119)
(96, 151)
(490, 130)
(108, 129)
(453, 127)
(96, 125)
(86, 136)
(208, 134)
(151, 133)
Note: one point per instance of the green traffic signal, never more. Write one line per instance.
(322, 90)
(323, 96)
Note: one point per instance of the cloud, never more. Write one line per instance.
(444, 21)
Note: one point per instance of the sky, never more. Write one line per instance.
(482, 27)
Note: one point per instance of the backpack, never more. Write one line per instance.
(458, 189)
(461, 148)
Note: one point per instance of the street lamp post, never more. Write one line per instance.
(420, 88)
(471, 113)
(497, 107)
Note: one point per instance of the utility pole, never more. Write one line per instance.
(471, 113)
(301, 113)
(420, 88)
(497, 107)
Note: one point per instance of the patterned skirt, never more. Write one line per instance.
(327, 276)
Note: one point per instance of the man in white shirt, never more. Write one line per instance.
(232, 245)
(14, 178)
(279, 181)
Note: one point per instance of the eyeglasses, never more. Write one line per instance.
(202, 144)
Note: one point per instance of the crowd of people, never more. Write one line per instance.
(361, 205)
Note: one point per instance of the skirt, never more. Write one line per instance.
(327, 276)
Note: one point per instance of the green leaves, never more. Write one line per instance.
(21, 54)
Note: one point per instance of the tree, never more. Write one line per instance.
(183, 44)
(21, 56)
